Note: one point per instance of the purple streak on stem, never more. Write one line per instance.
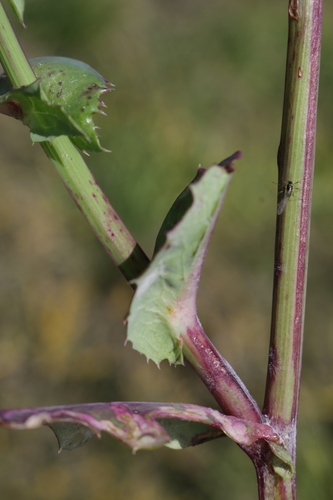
(218, 376)
(295, 161)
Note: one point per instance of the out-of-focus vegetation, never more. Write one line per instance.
(195, 81)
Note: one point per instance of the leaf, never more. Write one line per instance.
(177, 211)
(163, 306)
(282, 462)
(18, 7)
(75, 425)
(140, 425)
(61, 102)
(42, 119)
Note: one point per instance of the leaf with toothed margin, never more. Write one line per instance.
(18, 8)
(163, 306)
(61, 102)
(28, 104)
(140, 425)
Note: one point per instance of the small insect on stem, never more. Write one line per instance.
(288, 191)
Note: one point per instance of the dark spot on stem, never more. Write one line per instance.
(278, 268)
(272, 362)
(293, 10)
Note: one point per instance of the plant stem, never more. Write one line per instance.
(80, 183)
(272, 486)
(295, 162)
(218, 376)
(83, 188)
(12, 57)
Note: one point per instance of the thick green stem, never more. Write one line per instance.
(296, 164)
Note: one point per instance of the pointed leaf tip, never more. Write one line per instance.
(228, 162)
(18, 7)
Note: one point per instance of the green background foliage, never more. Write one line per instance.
(195, 81)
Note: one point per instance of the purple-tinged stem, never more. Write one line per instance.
(296, 164)
(218, 376)
(272, 486)
(296, 161)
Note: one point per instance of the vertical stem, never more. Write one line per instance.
(12, 57)
(295, 163)
(274, 487)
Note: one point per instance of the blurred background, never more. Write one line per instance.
(195, 81)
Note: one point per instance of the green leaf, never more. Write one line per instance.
(42, 118)
(177, 211)
(282, 462)
(184, 433)
(18, 7)
(61, 102)
(163, 306)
